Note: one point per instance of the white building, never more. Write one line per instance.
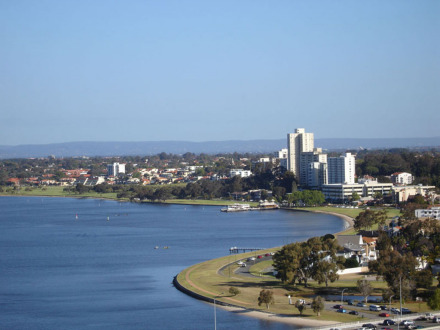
(401, 178)
(115, 169)
(240, 172)
(316, 174)
(433, 212)
(341, 169)
(281, 153)
(313, 168)
(341, 193)
(297, 143)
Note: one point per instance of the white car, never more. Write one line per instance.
(240, 263)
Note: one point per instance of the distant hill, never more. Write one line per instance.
(76, 149)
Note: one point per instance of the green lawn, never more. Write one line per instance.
(353, 213)
(53, 191)
(205, 279)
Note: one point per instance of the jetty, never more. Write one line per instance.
(235, 249)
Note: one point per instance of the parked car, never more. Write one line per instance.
(260, 257)
(341, 310)
(251, 259)
(361, 304)
(350, 302)
(374, 308)
(429, 316)
(267, 254)
(240, 263)
(353, 312)
(407, 322)
(384, 315)
(369, 326)
(383, 307)
(243, 265)
(388, 322)
(436, 319)
(395, 310)
(337, 306)
(406, 311)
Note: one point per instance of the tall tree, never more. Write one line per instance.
(318, 305)
(266, 297)
(434, 300)
(364, 287)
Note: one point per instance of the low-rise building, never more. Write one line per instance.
(240, 172)
(402, 193)
(341, 193)
(433, 212)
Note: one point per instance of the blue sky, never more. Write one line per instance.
(217, 70)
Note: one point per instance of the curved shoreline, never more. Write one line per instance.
(288, 319)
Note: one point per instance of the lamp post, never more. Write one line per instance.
(215, 312)
(400, 278)
(390, 302)
(215, 316)
(400, 288)
(342, 296)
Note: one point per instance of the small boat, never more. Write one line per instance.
(156, 247)
(236, 208)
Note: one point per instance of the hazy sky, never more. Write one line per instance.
(217, 70)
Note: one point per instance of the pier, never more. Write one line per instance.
(235, 249)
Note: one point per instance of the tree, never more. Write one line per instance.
(368, 218)
(364, 288)
(234, 291)
(396, 268)
(266, 297)
(434, 300)
(304, 260)
(355, 196)
(424, 278)
(351, 263)
(300, 306)
(318, 305)
(327, 271)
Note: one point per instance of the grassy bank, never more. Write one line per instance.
(58, 191)
(206, 279)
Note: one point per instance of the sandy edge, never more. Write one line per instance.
(288, 319)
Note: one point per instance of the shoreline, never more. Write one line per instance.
(287, 319)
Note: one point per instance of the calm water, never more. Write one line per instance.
(101, 271)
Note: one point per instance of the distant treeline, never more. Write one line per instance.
(424, 166)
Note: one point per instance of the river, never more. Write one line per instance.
(93, 264)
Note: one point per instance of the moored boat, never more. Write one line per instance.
(236, 208)
(265, 205)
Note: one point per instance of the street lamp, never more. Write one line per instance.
(390, 302)
(342, 296)
(215, 312)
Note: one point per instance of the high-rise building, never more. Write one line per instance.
(341, 169)
(307, 158)
(297, 143)
(115, 169)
